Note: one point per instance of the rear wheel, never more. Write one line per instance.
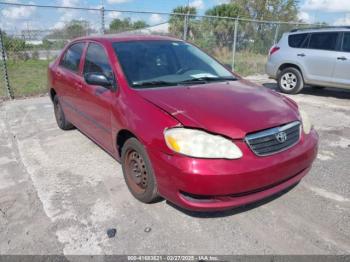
(290, 81)
(61, 120)
(138, 172)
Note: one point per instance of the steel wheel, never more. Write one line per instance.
(289, 81)
(136, 171)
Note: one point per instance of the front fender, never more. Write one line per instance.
(143, 119)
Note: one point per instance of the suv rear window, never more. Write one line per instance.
(297, 40)
(323, 41)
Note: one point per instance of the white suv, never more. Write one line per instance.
(316, 57)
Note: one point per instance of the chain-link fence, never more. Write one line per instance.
(27, 46)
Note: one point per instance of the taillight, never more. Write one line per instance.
(274, 49)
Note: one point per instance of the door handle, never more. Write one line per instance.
(343, 58)
(78, 85)
(302, 55)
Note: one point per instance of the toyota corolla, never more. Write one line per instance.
(183, 126)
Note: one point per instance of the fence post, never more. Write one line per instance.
(185, 27)
(234, 44)
(4, 65)
(102, 13)
(276, 34)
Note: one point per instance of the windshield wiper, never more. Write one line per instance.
(207, 79)
(159, 83)
(155, 83)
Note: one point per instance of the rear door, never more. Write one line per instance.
(341, 73)
(69, 79)
(96, 101)
(319, 59)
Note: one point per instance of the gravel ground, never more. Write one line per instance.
(59, 193)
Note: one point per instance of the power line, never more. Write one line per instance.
(152, 12)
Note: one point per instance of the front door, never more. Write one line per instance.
(97, 100)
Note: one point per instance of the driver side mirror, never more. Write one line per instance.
(97, 79)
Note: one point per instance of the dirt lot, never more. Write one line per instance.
(59, 193)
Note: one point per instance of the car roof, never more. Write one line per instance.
(321, 29)
(126, 37)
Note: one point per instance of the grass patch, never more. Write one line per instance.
(246, 63)
(250, 64)
(26, 77)
(2, 86)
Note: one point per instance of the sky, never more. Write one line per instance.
(17, 18)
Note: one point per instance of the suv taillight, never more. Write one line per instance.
(274, 49)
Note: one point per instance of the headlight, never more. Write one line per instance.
(305, 121)
(197, 143)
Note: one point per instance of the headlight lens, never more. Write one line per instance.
(197, 143)
(305, 121)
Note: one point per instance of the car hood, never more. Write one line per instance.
(232, 108)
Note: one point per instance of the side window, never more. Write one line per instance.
(346, 42)
(323, 41)
(297, 40)
(72, 56)
(96, 61)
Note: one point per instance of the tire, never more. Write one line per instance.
(138, 172)
(290, 81)
(61, 120)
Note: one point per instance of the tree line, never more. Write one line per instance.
(257, 37)
(208, 33)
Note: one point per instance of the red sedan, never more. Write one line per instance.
(183, 126)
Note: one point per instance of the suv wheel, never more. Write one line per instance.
(290, 81)
(61, 120)
(138, 172)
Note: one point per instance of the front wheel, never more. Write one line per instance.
(290, 81)
(138, 172)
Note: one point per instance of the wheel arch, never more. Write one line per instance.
(52, 93)
(122, 136)
(287, 65)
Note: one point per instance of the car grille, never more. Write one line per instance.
(274, 140)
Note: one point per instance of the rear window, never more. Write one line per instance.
(71, 58)
(297, 40)
(323, 41)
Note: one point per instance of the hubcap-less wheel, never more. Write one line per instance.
(289, 81)
(58, 113)
(136, 171)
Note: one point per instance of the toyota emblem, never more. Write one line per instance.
(281, 137)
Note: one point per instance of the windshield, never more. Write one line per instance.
(167, 63)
